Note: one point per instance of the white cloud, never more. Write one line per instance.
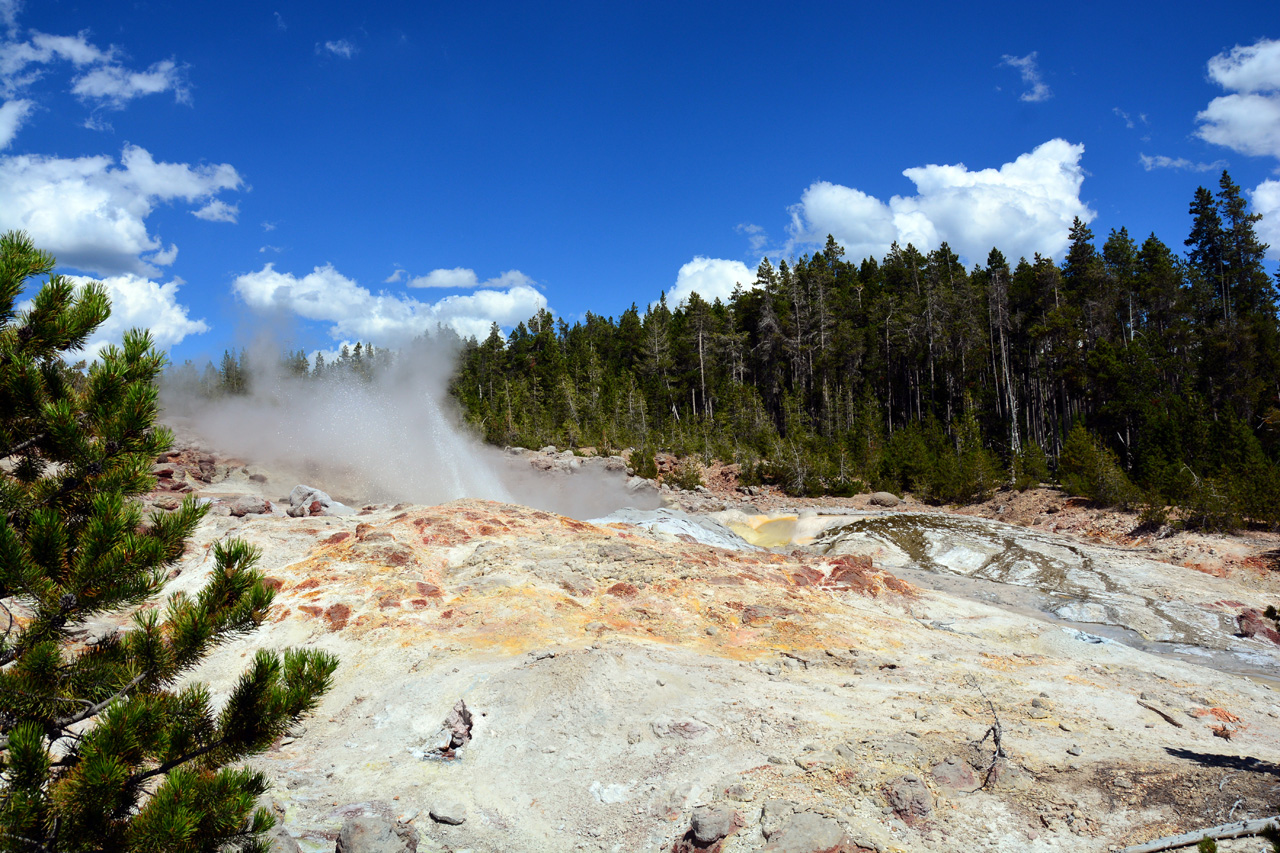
(218, 210)
(115, 86)
(9, 12)
(12, 115)
(1248, 120)
(1160, 161)
(18, 57)
(1266, 200)
(164, 257)
(710, 278)
(342, 48)
(756, 235)
(387, 319)
(1255, 68)
(396, 276)
(456, 277)
(1124, 116)
(1026, 66)
(463, 278)
(1022, 208)
(91, 213)
(280, 24)
(138, 302)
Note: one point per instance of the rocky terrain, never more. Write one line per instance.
(738, 672)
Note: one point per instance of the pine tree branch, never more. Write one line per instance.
(139, 778)
(91, 708)
(23, 445)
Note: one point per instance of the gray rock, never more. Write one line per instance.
(249, 505)
(955, 773)
(884, 499)
(448, 811)
(303, 501)
(1074, 750)
(376, 835)
(711, 824)
(808, 833)
(280, 841)
(909, 798)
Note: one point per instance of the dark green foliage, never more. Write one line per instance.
(1207, 845)
(1029, 468)
(913, 373)
(99, 748)
(1090, 469)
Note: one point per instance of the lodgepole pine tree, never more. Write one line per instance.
(103, 747)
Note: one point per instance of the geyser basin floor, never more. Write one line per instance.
(683, 673)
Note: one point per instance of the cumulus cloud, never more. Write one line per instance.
(1022, 208)
(1266, 200)
(710, 278)
(342, 48)
(218, 210)
(91, 213)
(462, 278)
(139, 302)
(1160, 161)
(1026, 66)
(387, 319)
(1248, 119)
(115, 86)
(12, 115)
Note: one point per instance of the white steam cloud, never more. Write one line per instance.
(395, 438)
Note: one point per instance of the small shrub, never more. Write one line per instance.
(1029, 468)
(1089, 469)
(687, 475)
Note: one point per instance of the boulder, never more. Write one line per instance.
(809, 833)
(910, 798)
(376, 835)
(308, 500)
(711, 824)
(280, 841)
(884, 499)
(249, 505)
(449, 812)
(1254, 623)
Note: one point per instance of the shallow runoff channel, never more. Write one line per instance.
(1106, 594)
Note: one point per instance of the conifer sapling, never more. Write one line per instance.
(103, 745)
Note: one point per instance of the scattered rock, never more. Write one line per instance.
(809, 833)
(308, 500)
(376, 835)
(909, 798)
(955, 773)
(280, 841)
(249, 505)
(448, 811)
(711, 824)
(1253, 623)
(885, 499)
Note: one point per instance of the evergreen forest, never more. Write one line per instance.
(1130, 373)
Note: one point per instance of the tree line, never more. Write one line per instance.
(1133, 373)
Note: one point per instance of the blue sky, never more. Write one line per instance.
(336, 172)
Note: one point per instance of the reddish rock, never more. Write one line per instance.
(1254, 623)
(336, 538)
(429, 589)
(623, 590)
(337, 616)
(753, 613)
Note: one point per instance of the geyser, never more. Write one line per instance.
(393, 437)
